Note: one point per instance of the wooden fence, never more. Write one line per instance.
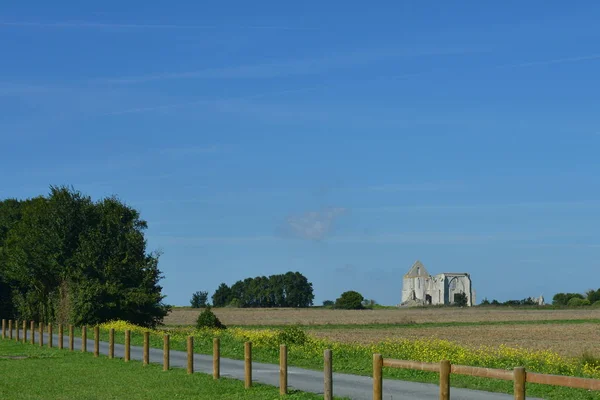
(283, 359)
(518, 375)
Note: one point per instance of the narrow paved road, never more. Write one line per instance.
(353, 386)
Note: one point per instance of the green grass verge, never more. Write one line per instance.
(357, 363)
(31, 372)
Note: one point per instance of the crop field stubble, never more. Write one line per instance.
(512, 327)
(320, 316)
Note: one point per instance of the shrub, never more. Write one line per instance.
(577, 302)
(328, 303)
(292, 335)
(596, 304)
(208, 319)
(460, 300)
(350, 300)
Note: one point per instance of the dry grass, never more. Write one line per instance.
(567, 339)
(285, 316)
(564, 339)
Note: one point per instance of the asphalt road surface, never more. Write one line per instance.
(352, 386)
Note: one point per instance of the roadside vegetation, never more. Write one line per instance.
(30, 372)
(304, 350)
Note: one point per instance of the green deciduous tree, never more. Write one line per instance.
(593, 295)
(69, 259)
(350, 300)
(291, 289)
(562, 299)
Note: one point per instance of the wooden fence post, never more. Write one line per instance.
(84, 339)
(111, 343)
(71, 337)
(24, 332)
(3, 328)
(166, 352)
(96, 341)
(444, 380)
(520, 378)
(127, 345)
(377, 377)
(10, 335)
(248, 365)
(190, 355)
(61, 335)
(17, 331)
(50, 335)
(32, 329)
(216, 358)
(283, 370)
(328, 375)
(41, 333)
(146, 356)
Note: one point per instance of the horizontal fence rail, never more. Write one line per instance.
(519, 376)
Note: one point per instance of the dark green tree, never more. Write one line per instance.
(460, 300)
(350, 300)
(593, 295)
(562, 299)
(199, 299)
(222, 296)
(208, 319)
(69, 259)
(289, 290)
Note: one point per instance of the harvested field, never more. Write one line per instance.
(287, 316)
(564, 339)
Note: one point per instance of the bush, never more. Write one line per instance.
(208, 319)
(350, 300)
(292, 335)
(577, 302)
(460, 300)
(328, 303)
(596, 304)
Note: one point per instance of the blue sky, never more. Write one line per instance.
(341, 140)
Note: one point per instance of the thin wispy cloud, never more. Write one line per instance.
(211, 240)
(483, 207)
(312, 225)
(224, 102)
(417, 187)
(187, 150)
(552, 61)
(296, 67)
(136, 26)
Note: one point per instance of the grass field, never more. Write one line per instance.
(31, 372)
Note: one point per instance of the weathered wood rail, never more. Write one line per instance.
(518, 375)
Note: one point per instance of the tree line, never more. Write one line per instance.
(577, 299)
(291, 289)
(66, 258)
(591, 297)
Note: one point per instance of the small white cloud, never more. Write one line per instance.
(312, 225)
